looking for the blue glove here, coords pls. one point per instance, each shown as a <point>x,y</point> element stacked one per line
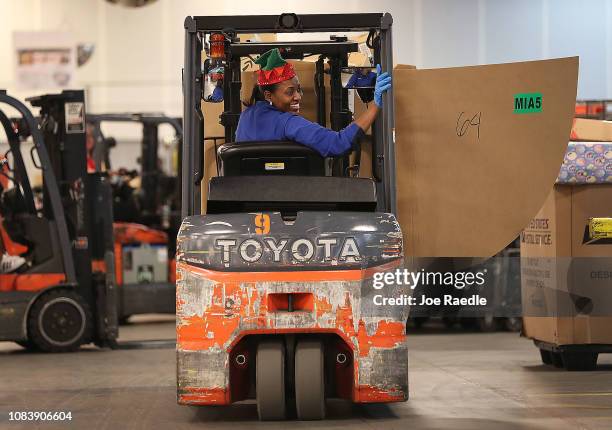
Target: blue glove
<point>383,83</point>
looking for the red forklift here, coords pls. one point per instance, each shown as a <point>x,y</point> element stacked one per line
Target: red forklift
<point>275,280</point>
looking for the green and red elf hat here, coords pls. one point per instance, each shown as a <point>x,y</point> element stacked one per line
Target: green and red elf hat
<point>273,68</point>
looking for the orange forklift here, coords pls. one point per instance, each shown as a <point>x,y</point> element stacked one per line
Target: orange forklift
<point>82,274</point>
<point>275,281</point>
<point>59,300</point>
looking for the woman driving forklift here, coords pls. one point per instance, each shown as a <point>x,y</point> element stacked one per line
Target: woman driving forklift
<point>272,112</point>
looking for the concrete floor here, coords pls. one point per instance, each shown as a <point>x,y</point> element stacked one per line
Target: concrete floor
<point>458,381</point>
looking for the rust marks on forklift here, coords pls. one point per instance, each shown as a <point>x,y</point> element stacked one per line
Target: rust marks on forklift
<point>369,394</point>
<point>217,309</point>
<point>387,335</point>
<point>204,396</point>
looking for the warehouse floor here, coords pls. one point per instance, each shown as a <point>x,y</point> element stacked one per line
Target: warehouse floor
<point>458,381</point>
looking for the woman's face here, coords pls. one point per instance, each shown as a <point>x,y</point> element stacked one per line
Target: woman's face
<point>286,96</point>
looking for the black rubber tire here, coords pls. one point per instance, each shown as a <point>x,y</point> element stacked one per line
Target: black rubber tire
<point>59,321</point>
<point>310,380</point>
<point>270,380</point>
<point>546,357</point>
<point>557,361</point>
<point>579,361</point>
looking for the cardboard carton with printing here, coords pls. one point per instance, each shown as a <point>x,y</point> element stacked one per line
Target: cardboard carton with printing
<point>567,254</point>
<point>566,274</point>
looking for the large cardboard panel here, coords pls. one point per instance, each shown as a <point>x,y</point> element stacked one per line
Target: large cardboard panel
<point>470,172</point>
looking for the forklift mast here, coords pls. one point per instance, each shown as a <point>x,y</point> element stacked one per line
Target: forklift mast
<point>148,153</point>
<point>335,50</point>
<point>63,128</point>
<point>86,201</point>
<point>156,189</point>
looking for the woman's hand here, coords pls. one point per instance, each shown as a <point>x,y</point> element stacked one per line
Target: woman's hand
<point>383,83</point>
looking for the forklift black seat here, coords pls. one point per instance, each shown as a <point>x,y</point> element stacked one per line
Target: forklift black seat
<point>269,158</point>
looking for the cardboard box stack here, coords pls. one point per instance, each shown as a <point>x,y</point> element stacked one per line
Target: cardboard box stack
<point>566,271</point>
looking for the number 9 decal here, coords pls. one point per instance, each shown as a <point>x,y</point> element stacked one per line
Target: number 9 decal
<point>262,224</point>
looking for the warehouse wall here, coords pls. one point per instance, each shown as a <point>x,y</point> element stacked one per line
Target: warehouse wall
<point>139,52</point>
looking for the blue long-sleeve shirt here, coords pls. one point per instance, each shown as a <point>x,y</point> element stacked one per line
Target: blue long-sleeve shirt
<point>263,122</point>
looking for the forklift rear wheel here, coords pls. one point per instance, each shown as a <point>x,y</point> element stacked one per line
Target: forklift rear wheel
<point>270,380</point>
<point>59,321</point>
<point>309,380</point>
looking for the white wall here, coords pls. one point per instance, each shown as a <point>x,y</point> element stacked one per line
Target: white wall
<point>139,52</point>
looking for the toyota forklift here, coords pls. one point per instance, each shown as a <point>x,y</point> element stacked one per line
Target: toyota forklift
<point>84,273</point>
<point>275,279</point>
<point>60,299</point>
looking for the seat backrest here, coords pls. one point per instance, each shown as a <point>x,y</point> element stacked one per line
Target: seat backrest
<point>269,158</point>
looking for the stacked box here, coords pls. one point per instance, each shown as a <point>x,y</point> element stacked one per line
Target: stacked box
<point>566,274</point>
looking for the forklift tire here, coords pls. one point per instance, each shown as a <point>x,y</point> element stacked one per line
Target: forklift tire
<point>270,380</point>
<point>309,380</point>
<point>59,321</point>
